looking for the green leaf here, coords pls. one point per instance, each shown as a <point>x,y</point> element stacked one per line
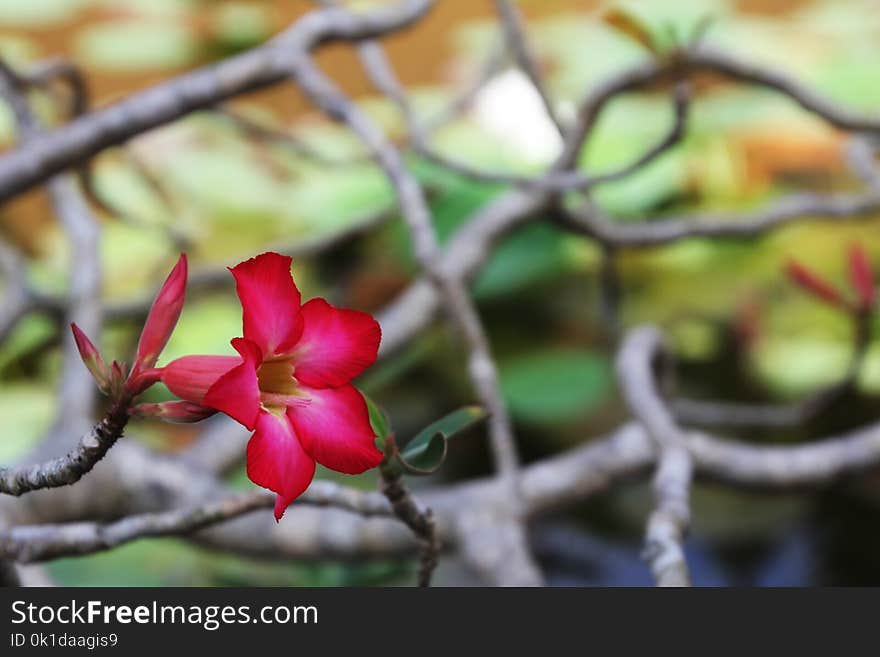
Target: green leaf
<point>426,452</point>
<point>533,255</point>
<point>555,386</point>
<point>379,423</point>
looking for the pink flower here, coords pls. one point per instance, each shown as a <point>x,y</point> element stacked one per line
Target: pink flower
<point>290,383</point>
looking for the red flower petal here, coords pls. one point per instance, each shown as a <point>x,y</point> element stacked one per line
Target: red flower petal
<point>191,377</point>
<point>277,461</point>
<point>814,284</point>
<point>162,318</point>
<point>270,301</point>
<point>237,393</point>
<point>861,276</point>
<point>336,344</point>
<point>334,427</point>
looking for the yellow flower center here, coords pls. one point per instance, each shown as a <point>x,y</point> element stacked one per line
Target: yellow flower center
<point>278,387</point>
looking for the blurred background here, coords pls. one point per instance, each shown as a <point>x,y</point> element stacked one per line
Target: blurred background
<point>740,329</point>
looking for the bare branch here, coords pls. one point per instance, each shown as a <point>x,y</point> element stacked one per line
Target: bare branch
<point>464,316</point>
<point>32,163</point>
<point>668,523</point>
<point>31,543</point>
<point>514,38</point>
<point>861,155</point>
<point>588,221</point>
<point>76,392</point>
<point>68,469</point>
<point>409,511</point>
<point>721,413</point>
<point>17,298</point>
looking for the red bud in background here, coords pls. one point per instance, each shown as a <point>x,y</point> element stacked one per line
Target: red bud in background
<point>862,277</point>
<point>161,321</point>
<point>92,359</point>
<point>814,284</point>
<point>174,411</point>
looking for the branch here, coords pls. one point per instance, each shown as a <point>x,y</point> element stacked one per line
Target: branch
<point>721,413</point>
<point>668,523</point>
<point>133,480</point>
<point>514,38</point>
<point>76,392</point>
<point>17,298</point>
<point>861,156</point>
<point>25,544</point>
<point>713,61</point>
<point>419,520</point>
<point>464,316</point>
<point>588,221</point>
<point>68,469</point>
<point>32,163</point>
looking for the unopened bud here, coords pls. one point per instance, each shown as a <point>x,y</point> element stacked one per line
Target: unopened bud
<point>814,284</point>
<point>174,411</point>
<point>92,359</point>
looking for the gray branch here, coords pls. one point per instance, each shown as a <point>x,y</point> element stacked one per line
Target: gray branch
<point>639,354</point>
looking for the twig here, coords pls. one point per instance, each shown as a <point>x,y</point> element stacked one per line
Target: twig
<point>17,298</point>
<point>419,520</point>
<point>259,132</point>
<point>481,366</point>
<point>30,543</point>
<point>133,480</point>
<point>514,38</point>
<point>861,156</point>
<point>721,413</point>
<point>33,163</point>
<point>76,392</point>
<point>68,469</point>
<point>669,522</point>
<point>748,225</point>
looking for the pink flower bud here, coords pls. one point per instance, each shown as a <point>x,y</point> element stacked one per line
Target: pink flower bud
<point>814,284</point>
<point>174,411</point>
<point>92,359</point>
<point>162,318</point>
<point>862,277</point>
